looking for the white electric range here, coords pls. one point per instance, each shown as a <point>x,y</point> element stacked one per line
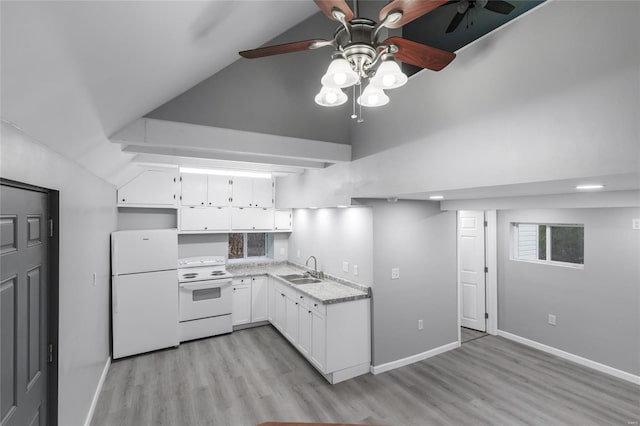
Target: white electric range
<point>205,297</point>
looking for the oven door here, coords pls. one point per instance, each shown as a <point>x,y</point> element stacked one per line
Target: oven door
<point>203,299</point>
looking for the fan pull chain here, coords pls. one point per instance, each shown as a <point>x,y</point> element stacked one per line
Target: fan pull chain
<point>353,114</point>
<point>360,120</point>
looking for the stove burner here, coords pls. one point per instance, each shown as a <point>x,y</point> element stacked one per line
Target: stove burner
<point>190,275</point>
<point>214,273</point>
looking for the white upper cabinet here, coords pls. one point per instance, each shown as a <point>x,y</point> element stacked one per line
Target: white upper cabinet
<point>282,220</point>
<point>193,189</point>
<point>151,188</point>
<point>205,190</point>
<point>249,219</point>
<point>218,191</point>
<point>204,219</point>
<point>263,193</point>
<point>252,192</point>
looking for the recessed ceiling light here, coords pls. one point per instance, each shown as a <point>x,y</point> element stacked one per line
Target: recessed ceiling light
<point>591,186</point>
<point>342,207</point>
<point>436,197</point>
<point>313,208</point>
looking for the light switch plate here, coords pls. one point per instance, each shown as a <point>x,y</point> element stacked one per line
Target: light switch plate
<point>552,319</point>
<point>395,273</point>
<point>355,270</point>
<point>345,266</point>
<point>635,223</point>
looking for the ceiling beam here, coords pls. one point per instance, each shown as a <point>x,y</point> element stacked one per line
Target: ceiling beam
<point>155,134</point>
<point>221,156</point>
<point>214,164</point>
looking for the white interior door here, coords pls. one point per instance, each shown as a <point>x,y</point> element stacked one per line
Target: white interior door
<point>471,269</point>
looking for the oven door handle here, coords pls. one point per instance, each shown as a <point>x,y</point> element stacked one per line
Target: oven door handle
<point>206,284</point>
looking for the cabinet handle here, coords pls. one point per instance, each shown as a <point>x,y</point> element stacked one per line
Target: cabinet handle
<point>282,294</point>
<point>315,305</point>
<point>296,303</point>
<point>234,289</point>
<point>301,297</point>
<point>309,312</point>
<point>206,227</point>
<point>123,200</point>
<point>202,203</point>
<point>209,203</point>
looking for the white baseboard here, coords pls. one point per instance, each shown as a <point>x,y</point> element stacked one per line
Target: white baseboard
<point>571,357</point>
<point>377,369</point>
<point>94,402</point>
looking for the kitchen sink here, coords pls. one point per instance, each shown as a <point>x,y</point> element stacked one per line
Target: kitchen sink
<point>304,280</point>
<point>300,279</point>
<point>294,276</point>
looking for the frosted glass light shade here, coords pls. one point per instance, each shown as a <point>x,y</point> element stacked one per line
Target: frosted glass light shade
<point>373,96</point>
<point>389,76</point>
<point>330,96</point>
<point>339,74</point>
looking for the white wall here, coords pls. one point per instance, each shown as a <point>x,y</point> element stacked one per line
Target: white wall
<point>334,236</point>
<point>87,217</point>
<point>597,308</point>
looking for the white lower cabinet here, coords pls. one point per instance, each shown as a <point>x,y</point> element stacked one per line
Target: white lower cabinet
<point>335,338</point>
<point>259,298</point>
<point>250,299</point>
<point>241,310</point>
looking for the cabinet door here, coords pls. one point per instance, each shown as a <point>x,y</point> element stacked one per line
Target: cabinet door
<point>259,298</point>
<point>151,188</point>
<point>218,191</point>
<point>218,219</point>
<point>193,218</point>
<point>291,320</point>
<point>263,193</point>
<point>193,189</point>
<point>271,303</point>
<point>280,313</point>
<point>262,219</point>
<point>241,312</point>
<point>282,220</point>
<point>242,219</point>
<point>318,341</point>
<point>242,189</point>
<point>304,330</point>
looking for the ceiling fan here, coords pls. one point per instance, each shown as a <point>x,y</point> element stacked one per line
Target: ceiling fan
<point>465,7</point>
<point>359,54</point>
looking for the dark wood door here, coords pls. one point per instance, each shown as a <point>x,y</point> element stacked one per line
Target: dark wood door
<point>24,304</point>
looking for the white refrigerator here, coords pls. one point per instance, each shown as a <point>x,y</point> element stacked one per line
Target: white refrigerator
<point>144,290</point>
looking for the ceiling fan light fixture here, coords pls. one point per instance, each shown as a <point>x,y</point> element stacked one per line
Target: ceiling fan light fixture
<point>373,96</point>
<point>389,75</point>
<point>339,74</point>
<point>330,96</point>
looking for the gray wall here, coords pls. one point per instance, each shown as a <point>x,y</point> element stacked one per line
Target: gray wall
<point>87,217</point>
<point>597,308</point>
<point>140,218</point>
<point>334,236</point>
<point>418,238</point>
<point>273,95</point>
<point>190,245</point>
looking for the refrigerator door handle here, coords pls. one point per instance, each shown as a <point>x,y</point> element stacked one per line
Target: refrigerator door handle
<point>114,257</point>
<point>116,300</point>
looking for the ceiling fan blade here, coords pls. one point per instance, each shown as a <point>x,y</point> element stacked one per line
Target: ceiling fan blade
<point>455,22</point>
<point>420,55</point>
<point>327,6</point>
<point>279,49</point>
<point>499,6</point>
<point>411,9</point>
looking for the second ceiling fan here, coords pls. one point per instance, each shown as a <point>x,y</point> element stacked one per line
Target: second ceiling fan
<point>360,55</point>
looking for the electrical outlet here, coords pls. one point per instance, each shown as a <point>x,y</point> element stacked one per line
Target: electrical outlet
<point>552,319</point>
<point>355,270</point>
<point>345,266</point>
<point>395,273</point>
<point>420,325</point>
<point>635,223</point>
<point>298,254</point>
<point>95,279</point>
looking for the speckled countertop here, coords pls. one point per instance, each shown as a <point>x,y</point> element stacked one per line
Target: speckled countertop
<point>330,290</point>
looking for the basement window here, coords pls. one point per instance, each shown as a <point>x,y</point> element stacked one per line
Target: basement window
<point>557,244</point>
<point>248,245</point>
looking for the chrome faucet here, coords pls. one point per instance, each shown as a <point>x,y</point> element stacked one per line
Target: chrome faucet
<point>315,266</point>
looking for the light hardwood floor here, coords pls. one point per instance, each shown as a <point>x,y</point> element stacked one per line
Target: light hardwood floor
<point>254,375</point>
